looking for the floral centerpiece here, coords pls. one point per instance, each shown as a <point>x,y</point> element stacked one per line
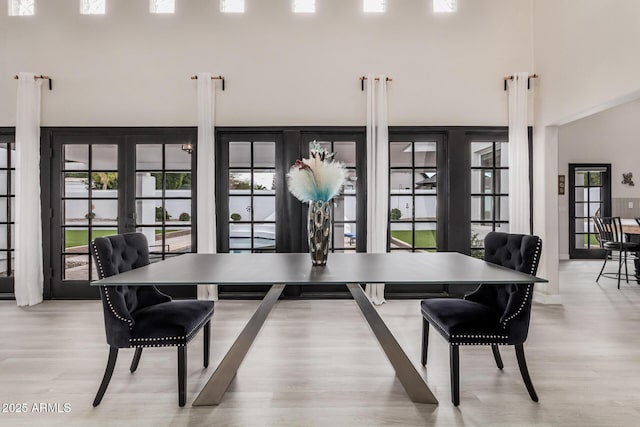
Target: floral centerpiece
<point>316,181</point>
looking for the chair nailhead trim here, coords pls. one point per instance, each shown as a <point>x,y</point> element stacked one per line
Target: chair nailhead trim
<point>534,267</point>
<point>100,269</point>
<point>184,337</point>
<point>106,291</point>
<point>478,343</point>
<point>480,336</point>
<point>113,310</point>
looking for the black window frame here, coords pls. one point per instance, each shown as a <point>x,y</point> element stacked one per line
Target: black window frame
<point>7,136</point>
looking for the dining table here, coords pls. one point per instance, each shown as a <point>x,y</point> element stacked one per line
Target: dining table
<point>349,269</point>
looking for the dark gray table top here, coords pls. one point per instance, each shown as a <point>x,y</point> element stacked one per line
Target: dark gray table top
<point>296,269</point>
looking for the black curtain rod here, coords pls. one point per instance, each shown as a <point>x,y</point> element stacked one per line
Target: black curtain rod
<point>43,77</point>
<point>212,78</point>
<point>531,76</point>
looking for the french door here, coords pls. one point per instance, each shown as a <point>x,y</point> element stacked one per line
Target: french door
<point>105,182</point>
<point>256,212</point>
<point>589,196</point>
<point>7,211</point>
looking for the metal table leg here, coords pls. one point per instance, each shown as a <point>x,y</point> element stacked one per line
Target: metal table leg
<point>411,379</point>
<point>217,385</point>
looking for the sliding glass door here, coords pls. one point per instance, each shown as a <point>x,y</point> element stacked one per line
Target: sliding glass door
<point>7,210</point>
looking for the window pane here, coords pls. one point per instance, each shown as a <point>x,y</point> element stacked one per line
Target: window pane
<point>232,6</point>
<point>401,208</point>
<point>148,184</point>
<point>400,180</point>
<point>21,7</point>
<point>76,184</point>
<point>177,158</point>
<point>502,208</point>
<point>345,152</point>
<point>105,157</point>
<point>350,186</point>
<point>481,154</point>
<point>481,208</point>
<point>76,267</point>
<point>264,154</point>
<point>503,181</point>
<point>401,235</point>
<point>400,154</point>
<point>264,208</point>
<point>425,235</point>
<point>176,239</point>
<point>445,6</point>
<point>162,6</point>
<point>149,157</point>
<point>426,179</point>
<point>264,182</point>
<point>77,212</point>
<point>239,154</point>
<point>240,182</point>
<point>240,208</point>
<point>425,153</point>
<point>92,7</point>
<point>178,184</point>
<point>150,212</point>
<point>304,6</point>
<point>4,262</point>
<point>482,181</point>
<point>76,157</point>
<point>502,154</point>
<point>425,207</point>
<point>375,6</point>
<point>348,233</point>
<point>344,208</point>
<point>105,211</point>
<point>104,184</point>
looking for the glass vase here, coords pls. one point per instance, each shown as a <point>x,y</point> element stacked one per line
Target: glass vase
<point>319,231</point>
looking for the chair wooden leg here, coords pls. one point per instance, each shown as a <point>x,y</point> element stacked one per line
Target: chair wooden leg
<point>182,375</point>
<point>136,359</point>
<point>111,363</point>
<point>522,363</point>
<point>496,355</point>
<point>425,340</point>
<point>455,374</point>
<point>207,340</point>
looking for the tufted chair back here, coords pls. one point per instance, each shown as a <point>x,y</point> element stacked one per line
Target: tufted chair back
<point>118,254</point>
<point>519,252</point>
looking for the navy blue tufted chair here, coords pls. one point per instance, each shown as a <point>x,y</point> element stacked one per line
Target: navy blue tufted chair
<point>142,316</point>
<point>491,315</point>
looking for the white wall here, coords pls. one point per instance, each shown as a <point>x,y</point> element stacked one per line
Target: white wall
<point>585,53</point>
<point>132,68</point>
<point>611,136</point>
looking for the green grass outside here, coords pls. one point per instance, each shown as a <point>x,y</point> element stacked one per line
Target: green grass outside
<point>75,238</point>
<point>424,238</point>
<point>592,239</point>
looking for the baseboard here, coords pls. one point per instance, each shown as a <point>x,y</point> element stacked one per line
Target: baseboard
<point>547,299</point>
<point>564,257</point>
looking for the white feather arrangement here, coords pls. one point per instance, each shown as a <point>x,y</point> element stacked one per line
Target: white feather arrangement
<point>317,178</point>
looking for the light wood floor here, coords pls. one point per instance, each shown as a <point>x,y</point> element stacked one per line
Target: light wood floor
<point>316,363</point>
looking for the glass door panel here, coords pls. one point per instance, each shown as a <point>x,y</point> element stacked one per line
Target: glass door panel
<point>589,196</point>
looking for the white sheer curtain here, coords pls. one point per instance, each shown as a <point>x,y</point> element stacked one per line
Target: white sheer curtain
<point>28,271</point>
<point>519,200</point>
<point>206,176</point>
<point>377,174</point>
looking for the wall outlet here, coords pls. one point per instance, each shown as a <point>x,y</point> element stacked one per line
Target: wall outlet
<point>630,205</point>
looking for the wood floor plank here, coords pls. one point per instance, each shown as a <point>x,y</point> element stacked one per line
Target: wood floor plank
<point>316,363</point>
